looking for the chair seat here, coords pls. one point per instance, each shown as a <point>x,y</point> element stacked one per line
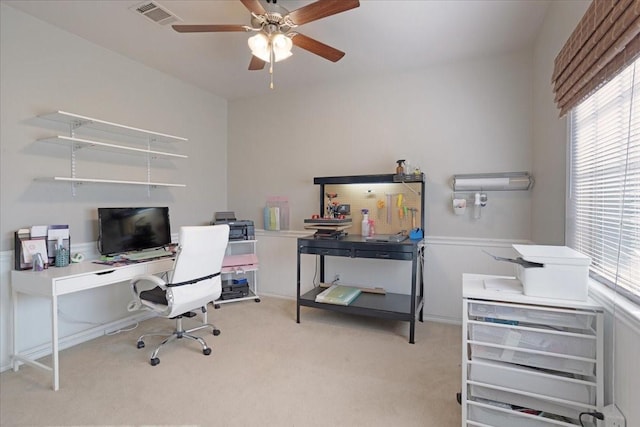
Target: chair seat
<point>156,295</point>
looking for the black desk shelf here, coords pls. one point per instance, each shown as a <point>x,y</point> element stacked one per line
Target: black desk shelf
<point>388,306</point>
<point>404,307</point>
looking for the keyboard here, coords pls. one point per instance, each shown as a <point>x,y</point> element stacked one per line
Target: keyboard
<point>144,255</point>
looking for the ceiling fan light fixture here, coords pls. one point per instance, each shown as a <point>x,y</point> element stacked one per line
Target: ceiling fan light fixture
<point>261,45</point>
<point>281,45</point>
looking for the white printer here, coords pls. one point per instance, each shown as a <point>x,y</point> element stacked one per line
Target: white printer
<point>553,272</point>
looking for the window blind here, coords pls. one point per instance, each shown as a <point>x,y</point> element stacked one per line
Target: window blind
<point>606,40</point>
<point>603,209</point>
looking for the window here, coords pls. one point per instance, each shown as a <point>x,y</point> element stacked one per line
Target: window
<point>603,206</point>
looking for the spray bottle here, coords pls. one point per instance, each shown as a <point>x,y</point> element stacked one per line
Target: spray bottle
<point>365,222</point>
<point>476,206</point>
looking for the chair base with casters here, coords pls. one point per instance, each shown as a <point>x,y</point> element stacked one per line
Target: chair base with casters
<point>179,333</point>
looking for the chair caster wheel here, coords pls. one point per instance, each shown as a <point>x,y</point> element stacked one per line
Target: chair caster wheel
<point>206,351</point>
<point>257,300</point>
<point>216,306</point>
<point>154,361</point>
<point>216,332</point>
<point>140,344</point>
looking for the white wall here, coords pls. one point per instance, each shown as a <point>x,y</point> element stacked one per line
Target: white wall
<point>549,131</point>
<point>44,69</point>
<point>622,332</point>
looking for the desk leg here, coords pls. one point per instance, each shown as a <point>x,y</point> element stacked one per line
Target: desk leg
<point>54,342</point>
<point>412,331</point>
<point>412,311</point>
<point>14,299</point>
<point>298,291</point>
<point>421,282</point>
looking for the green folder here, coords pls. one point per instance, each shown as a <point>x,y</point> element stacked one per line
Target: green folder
<point>338,294</point>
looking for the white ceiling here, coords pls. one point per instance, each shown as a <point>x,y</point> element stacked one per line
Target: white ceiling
<point>380,37</point>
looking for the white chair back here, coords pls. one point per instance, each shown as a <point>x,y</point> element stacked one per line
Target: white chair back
<point>200,253</point>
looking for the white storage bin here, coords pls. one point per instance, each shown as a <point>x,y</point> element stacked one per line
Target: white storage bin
<point>564,275</point>
<point>553,385</point>
<point>571,344</point>
<point>505,418</point>
<point>580,367</point>
<point>575,320</point>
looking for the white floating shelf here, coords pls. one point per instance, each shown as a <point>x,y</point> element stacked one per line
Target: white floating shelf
<point>65,140</point>
<point>113,181</point>
<point>102,125</point>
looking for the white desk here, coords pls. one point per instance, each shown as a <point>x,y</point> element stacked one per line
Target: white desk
<point>58,281</point>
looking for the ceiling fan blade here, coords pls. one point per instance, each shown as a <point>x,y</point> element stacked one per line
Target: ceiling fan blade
<point>208,28</point>
<point>314,46</point>
<point>321,9</point>
<point>254,6</point>
<point>256,63</point>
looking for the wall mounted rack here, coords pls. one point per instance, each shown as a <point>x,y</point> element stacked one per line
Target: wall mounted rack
<point>78,122</point>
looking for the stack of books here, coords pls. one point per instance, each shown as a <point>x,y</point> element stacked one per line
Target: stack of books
<point>338,294</point>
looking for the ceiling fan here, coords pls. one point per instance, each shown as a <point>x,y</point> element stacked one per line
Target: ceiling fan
<point>276,30</point>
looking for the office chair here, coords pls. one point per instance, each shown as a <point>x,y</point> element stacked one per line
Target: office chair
<point>191,285</point>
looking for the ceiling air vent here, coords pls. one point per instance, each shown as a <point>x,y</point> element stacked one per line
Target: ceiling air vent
<point>156,13</point>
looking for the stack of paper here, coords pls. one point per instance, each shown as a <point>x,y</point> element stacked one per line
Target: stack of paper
<point>338,294</point>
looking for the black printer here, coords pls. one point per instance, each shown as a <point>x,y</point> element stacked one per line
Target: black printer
<point>238,229</point>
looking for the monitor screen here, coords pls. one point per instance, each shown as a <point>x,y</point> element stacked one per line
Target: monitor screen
<point>132,229</point>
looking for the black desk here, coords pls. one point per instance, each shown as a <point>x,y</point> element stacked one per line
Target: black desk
<point>389,306</point>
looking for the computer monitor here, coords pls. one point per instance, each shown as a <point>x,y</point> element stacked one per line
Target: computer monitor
<point>132,229</point>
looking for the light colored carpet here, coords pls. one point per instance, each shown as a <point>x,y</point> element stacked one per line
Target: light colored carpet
<point>265,370</point>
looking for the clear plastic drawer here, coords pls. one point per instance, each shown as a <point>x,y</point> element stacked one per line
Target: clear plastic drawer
<point>551,342</point>
<point>580,367</point>
<point>501,417</point>
<point>577,320</point>
<point>547,406</point>
<point>551,384</point>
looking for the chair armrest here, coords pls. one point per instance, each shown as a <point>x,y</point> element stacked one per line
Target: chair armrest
<point>154,280</point>
<point>141,279</point>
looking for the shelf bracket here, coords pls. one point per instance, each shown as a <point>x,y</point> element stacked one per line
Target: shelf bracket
<point>74,148</point>
<point>149,141</point>
<point>417,193</point>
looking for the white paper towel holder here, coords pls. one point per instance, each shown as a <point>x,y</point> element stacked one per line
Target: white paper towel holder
<point>502,181</point>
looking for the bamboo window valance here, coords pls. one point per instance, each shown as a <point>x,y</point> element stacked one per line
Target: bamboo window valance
<point>606,40</point>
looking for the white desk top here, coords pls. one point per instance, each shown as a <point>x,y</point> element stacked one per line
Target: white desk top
<point>78,269</point>
<point>82,276</point>
<point>473,288</point>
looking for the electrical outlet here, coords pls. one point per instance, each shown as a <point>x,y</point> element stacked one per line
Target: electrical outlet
<point>336,278</point>
<point>613,417</point>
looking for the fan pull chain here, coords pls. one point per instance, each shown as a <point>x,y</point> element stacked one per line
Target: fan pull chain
<point>271,65</point>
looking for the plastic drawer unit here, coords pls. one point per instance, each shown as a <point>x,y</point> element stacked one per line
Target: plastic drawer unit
<point>529,361</point>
